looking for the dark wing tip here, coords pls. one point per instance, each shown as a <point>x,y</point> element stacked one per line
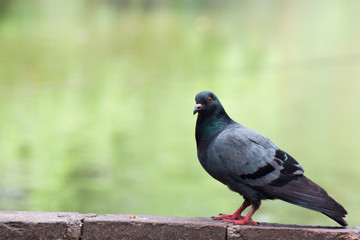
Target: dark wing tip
<point>339,219</point>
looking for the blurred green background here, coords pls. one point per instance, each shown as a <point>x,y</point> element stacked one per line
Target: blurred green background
<point>96,101</point>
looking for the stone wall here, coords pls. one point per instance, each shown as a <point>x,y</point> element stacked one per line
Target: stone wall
<point>68,225</point>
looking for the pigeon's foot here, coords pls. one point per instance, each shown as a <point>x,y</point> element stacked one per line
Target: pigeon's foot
<point>237,219</point>
<point>236,215</point>
<point>241,221</point>
<point>228,217</point>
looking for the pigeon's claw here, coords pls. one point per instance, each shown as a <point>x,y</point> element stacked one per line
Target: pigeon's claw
<point>247,218</point>
<point>228,216</point>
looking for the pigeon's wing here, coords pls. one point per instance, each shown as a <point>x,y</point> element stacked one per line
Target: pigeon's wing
<point>254,160</point>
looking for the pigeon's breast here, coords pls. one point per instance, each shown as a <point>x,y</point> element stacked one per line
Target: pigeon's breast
<point>213,165</point>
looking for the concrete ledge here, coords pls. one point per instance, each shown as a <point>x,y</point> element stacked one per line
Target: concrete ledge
<point>152,227</point>
<point>60,225</point>
<point>40,225</point>
<point>273,231</point>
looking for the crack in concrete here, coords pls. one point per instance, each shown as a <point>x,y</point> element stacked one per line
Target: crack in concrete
<point>74,225</point>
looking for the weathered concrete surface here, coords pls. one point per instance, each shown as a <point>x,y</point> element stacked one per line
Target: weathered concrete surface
<point>61,225</point>
<point>152,227</point>
<point>39,225</point>
<point>275,231</point>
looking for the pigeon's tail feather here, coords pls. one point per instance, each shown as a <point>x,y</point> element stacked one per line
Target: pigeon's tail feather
<point>305,193</point>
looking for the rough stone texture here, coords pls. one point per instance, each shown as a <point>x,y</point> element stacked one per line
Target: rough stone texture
<point>152,227</point>
<point>272,231</point>
<point>74,224</point>
<point>61,225</point>
<point>39,225</point>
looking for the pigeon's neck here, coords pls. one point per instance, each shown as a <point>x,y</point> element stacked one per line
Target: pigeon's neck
<point>209,126</point>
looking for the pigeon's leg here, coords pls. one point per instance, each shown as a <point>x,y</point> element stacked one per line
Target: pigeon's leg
<point>247,219</point>
<point>237,214</point>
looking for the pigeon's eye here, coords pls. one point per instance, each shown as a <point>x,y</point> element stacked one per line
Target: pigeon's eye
<point>210,100</point>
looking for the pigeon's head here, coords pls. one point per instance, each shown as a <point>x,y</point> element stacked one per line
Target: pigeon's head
<point>207,103</point>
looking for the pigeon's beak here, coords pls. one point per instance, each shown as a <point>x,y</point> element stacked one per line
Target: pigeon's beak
<point>198,107</point>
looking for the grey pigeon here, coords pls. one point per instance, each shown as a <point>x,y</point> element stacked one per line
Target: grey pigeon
<point>253,166</point>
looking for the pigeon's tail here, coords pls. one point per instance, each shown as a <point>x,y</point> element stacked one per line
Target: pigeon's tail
<point>305,193</point>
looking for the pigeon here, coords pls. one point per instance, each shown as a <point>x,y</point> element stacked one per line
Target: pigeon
<point>253,166</point>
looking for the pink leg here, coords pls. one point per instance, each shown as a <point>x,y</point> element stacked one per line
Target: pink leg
<point>247,218</point>
<point>236,215</point>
